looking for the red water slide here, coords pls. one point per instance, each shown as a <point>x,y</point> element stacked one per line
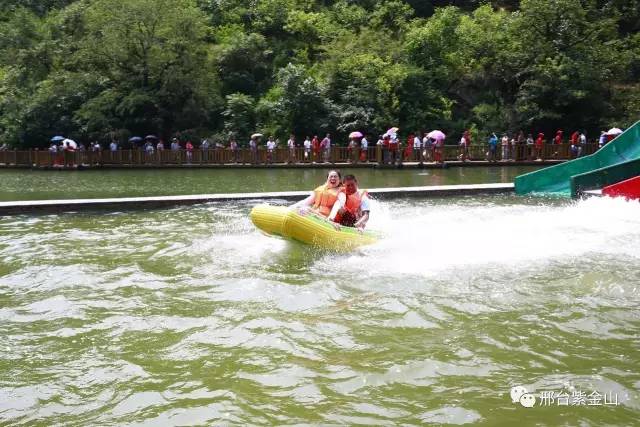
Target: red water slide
<point>629,189</point>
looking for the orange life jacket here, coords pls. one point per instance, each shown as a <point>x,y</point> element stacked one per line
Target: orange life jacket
<point>352,203</point>
<point>325,198</point>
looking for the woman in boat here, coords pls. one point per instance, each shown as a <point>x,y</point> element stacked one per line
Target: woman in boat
<point>322,199</point>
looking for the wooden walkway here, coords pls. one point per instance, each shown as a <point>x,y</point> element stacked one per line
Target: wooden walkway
<point>280,158</point>
<point>79,205</point>
<point>342,165</point>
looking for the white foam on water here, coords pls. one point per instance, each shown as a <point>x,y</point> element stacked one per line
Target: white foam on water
<point>429,238</point>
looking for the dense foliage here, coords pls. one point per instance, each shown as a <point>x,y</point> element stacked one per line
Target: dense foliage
<point>103,69</point>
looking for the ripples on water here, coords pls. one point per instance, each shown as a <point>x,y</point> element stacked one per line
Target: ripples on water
<point>189,315</point>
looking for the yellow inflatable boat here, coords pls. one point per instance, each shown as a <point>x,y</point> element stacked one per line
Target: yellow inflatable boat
<point>309,229</point>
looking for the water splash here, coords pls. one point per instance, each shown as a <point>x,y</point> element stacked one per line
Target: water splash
<point>434,237</point>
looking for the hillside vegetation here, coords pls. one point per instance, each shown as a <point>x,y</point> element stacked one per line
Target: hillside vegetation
<point>103,69</point>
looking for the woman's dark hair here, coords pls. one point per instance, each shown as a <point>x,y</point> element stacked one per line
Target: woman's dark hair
<point>350,178</point>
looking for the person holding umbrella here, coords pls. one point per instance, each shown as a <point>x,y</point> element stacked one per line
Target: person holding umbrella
<point>150,141</point>
<point>53,149</point>
<point>253,147</point>
<point>148,150</point>
<point>394,145</point>
<point>134,140</point>
<point>69,146</point>
<point>438,136</point>
<point>53,152</point>
<point>391,144</point>
<point>354,138</point>
<point>350,149</point>
<point>613,134</point>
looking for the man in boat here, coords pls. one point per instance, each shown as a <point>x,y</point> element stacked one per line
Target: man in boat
<point>351,208</point>
<point>322,199</point>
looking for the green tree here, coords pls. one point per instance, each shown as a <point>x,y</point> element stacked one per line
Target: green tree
<point>571,56</point>
<point>243,62</point>
<point>153,61</point>
<point>239,116</point>
<point>297,103</point>
<point>88,68</point>
<point>37,94</point>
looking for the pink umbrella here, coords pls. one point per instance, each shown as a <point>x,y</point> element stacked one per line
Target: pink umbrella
<point>438,135</point>
<point>355,134</point>
<point>392,131</point>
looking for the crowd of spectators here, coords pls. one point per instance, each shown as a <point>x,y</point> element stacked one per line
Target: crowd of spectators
<point>417,147</point>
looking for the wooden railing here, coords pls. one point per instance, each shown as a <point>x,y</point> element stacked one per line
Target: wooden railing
<point>261,156</point>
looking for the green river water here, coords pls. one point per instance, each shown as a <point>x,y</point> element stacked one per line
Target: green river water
<point>189,316</point>
<point>34,185</point>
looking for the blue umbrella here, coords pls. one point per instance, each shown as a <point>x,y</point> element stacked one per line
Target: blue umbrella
<point>57,138</point>
<point>135,139</point>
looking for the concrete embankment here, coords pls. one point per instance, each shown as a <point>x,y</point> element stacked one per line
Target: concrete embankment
<point>123,203</point>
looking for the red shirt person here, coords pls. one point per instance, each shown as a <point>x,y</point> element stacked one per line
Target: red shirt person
<point>409,148</point>
<point>393,144</point>
<point>467,138</point>
<point>558,139</point>
<point>574,138</point>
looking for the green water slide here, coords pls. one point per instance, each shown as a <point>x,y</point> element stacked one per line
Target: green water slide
<point>618,160</point>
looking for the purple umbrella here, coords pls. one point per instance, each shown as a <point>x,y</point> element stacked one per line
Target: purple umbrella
<point>438,135</point>
<point>355,134</point>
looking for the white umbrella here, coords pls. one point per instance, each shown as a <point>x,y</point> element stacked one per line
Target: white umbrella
<point>614,131</point>
<point>69,143</point>
<point>256,135</point>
